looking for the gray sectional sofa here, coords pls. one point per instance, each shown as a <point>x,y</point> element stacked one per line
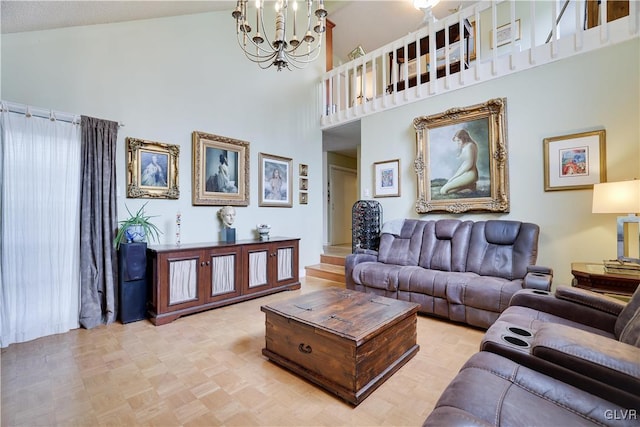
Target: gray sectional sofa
<point>464,271</point>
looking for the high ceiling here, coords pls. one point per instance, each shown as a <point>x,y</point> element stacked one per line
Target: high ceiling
<point>371,24</point>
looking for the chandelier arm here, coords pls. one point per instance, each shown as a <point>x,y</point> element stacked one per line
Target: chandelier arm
<point>244,46</point>
<point>256,57</point>
<point>315,52</point>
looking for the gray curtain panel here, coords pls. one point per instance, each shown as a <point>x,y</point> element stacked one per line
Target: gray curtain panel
<point>98,223</point>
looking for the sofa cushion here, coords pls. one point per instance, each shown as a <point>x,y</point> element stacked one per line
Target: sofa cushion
<point>485,292</point>
<point>627,328</point>
<point>377,275</point>
<point>445,244</point>
<point>402,249</point>
<point>502,248</point>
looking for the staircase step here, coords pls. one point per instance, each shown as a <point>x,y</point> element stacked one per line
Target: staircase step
<point>326,271</point>
<point>332,259</point>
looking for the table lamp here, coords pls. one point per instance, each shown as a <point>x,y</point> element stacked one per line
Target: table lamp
<point>621,197</point>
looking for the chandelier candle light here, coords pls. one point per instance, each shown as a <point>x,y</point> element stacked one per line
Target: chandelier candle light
<point>261,50</point>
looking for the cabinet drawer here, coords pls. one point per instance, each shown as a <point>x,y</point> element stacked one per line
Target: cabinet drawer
<point>321,353</point>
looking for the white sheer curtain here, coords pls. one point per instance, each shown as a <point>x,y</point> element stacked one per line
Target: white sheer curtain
<point>39,227</point>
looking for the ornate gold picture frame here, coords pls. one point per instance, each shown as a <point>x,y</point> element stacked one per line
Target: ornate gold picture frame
<point>461,159</point>
<point>152,169</point>
<point>220,170</point>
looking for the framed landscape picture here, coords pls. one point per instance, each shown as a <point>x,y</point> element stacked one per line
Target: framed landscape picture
<point>574,162</point>
<point>152,169</point>
<point>461,159</point>
<point>275,184</point>
<point>220,170</point>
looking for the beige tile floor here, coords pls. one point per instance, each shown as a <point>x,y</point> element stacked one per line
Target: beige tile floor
<point>207,369</point>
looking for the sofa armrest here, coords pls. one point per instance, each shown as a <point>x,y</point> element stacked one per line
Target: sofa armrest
<point>351,260</point>
<point>547,302</point>
<point>590,299</point>
<point>595,357</point>
<point>538,277</point>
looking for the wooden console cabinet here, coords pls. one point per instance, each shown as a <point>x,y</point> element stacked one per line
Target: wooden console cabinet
<point>190,278</point>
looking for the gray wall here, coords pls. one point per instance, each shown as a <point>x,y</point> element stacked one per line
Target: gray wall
<point>165,78</point>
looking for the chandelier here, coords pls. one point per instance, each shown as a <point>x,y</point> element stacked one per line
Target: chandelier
<point>283,50</point>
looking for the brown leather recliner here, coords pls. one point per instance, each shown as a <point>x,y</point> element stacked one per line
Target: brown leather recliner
<point>491,390</point>
<point>579,337</point>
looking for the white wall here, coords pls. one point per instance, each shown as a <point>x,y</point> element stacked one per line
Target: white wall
<point>165,78</point>
<point>595,90</point>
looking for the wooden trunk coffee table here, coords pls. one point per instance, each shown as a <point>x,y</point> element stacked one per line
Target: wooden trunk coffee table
<point>345,341</point>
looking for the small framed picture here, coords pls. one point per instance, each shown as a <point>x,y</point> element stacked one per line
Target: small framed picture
<point>304,184</point>
<point>574,162</point>
<point>304,198</point>
<point>275,184</point>
<point>304,170</point>
<point>152,169</point>
<point>505,33</point>
<point>387,178</point>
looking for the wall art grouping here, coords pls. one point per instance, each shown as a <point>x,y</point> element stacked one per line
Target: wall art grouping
<point>303,171</point>
<point>152,169</point>
<point>220,172</point>
<point>461,159</point>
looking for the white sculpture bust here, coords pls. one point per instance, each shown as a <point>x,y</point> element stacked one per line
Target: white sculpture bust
<point>227,214</point>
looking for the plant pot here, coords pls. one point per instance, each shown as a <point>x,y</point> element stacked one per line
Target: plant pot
<point>135,234</point>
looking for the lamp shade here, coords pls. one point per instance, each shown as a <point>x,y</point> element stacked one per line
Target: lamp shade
<point>621,197</point>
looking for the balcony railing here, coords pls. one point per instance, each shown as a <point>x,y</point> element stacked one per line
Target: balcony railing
<point>485,41</point>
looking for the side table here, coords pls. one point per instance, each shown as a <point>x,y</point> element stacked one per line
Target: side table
<point>592,276</point>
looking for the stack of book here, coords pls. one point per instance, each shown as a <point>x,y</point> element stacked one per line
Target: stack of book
<point>621,267</point>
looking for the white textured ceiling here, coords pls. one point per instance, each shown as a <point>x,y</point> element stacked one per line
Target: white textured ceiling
<point>371,24</point>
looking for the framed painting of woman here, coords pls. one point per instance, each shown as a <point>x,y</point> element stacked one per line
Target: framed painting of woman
<point>275,185</point>
<point>461,159</point>
<point>220,170</point>
<point>152,169</point>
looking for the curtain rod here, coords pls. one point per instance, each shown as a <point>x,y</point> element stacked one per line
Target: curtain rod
<point>41,112</point>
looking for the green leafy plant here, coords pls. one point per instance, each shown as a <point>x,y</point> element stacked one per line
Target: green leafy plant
<point>138,219</point>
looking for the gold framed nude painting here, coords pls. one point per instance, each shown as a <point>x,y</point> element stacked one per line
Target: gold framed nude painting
<point>461,159</point>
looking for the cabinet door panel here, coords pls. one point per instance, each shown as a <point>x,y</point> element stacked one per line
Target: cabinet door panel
<point>258,268</point>
<point>183,281</point>
<point>223,274</point>
<point>285,263</point>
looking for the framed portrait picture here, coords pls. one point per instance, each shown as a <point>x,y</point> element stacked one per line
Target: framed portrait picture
<point>304,198</point>
<point>303,169</point>
<point>220,170</point>
<point>461,159</point>
<point>574,162</point>
<point>275,184</point>
<point>386,177</point>
<point>152,169</point>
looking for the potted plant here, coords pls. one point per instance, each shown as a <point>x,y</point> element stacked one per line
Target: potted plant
<point>136,228</point>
